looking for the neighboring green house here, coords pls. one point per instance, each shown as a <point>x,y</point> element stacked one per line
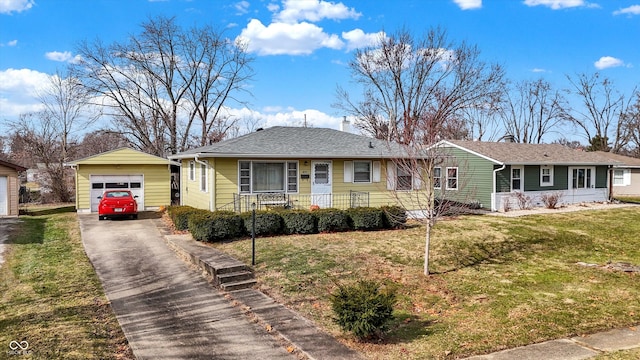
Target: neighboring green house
<point>294,167</point>
<point>493,173</point>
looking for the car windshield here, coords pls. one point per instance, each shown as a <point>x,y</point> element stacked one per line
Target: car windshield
<point>117,194</point>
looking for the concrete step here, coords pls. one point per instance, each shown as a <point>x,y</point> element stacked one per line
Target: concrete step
<point>234,277</point>
<point>238,285</point>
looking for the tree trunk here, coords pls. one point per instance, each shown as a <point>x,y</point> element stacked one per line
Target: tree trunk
<point>427,241</point>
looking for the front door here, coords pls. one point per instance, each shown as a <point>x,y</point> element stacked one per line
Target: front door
<point>321,183</point>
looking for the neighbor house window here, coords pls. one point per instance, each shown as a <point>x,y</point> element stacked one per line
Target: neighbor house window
<point>268,176</point>
<point>192,170</point>
<point>452,178</point>
<point>546,175</point>
<point>437,178</point>
<point>516,178</point>
<point>618,177</point>
<point>362,171</point>
<point>404,180</point>
<point>204,176</point>
<point>582,178</point>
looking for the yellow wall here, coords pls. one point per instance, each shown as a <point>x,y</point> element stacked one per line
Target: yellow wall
<point>190,189</point>
<point>13,189</point>
<point>157,182</point>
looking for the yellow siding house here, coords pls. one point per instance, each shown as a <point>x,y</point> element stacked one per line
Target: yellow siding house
<point>147,176</point>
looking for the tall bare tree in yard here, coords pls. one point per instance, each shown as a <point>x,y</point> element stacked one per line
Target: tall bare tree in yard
<point>632,127</point>
<point>602,114</point>
<point>532,109</point>
<point>415,91</point>
<point>411,83</point>
<point>156,84</point>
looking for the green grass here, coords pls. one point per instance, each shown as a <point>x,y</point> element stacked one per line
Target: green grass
<point>51,297</point>
<point>498,282</point>
<point>629,199</point>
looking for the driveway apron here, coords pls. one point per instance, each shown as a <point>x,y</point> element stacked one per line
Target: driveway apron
<point>166,309</point>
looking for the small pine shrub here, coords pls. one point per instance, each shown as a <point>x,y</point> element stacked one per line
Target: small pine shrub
<point>363,309</point>
<point>299,222</point>
<point>394,216</point>
<point>267,223</point>
<point>366,218</point>
<point>332,220</point>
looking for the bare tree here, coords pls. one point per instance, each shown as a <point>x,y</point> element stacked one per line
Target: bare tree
<point>602,116</point>
<point>159,81</point>
<point>100,141</point>
<point>631,120</point>
<point>533,109</point>
<point>407,81</point>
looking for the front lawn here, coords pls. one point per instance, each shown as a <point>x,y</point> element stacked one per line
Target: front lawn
<point>498,282</point>
<point>51,300</point>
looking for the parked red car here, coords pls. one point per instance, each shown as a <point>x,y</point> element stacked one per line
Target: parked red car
<point>117,203</point>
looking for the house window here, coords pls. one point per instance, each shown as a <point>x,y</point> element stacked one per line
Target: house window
<point>546,175</point>
<point>204,176</point>
<point>437,178</point>
<point>618,177</point>
<point>192,170</point>
<point>404,180</point>
<point>452,178</point>
<point>268,176</point>
<point>516,178</point>
<point>362,171</point>
<point>582,178</point>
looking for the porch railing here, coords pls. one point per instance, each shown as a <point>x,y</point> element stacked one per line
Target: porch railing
<point>264,201</point>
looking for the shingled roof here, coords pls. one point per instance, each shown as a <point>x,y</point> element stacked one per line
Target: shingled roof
<point>625,161</point>
<point>530,154</point>
<point>299,142</point>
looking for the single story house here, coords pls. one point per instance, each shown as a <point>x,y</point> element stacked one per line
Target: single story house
<point>625,176</point>
<point>494,174</point>
<point>9,188</point>
<point>147,176</point>
<point>295,167</point>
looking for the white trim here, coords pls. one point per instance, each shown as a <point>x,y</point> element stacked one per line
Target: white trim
<point>437,177</point>
<point>192,171</point>
<point>348,171</point>
<point>391,175</point>
<point>375,175</point>
<point>204,176</point>
<point>521,178</point>
<point>270,161</point>
<point>370,163</point>
<point>551,170</point>
<point>457,177</point>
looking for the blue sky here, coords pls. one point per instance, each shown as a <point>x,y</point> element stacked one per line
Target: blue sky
<point>302,46</point>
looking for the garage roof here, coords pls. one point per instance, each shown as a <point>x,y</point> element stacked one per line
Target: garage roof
<point>123,156</point>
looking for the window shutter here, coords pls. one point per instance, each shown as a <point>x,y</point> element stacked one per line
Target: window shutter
<point>376,171</point>
<point>348,171</point>
<point>391,175</point>
<point>417,178</point>
<point>626,177</point>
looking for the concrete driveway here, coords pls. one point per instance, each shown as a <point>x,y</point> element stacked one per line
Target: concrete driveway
<point>166,309</point>
<point>6,225</point>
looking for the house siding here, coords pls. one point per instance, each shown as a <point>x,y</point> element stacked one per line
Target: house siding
<point>12,190</point>
<point>191,194</point>
<point>633,189</point>
<point>475,177</point>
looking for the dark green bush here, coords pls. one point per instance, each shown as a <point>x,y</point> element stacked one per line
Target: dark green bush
<point>299,222</point>
<point>394,216</point>
<point>180,215</point>
<point>267,223</point>
<point>363,309</point>
<point>201,225</point>
<point>366,218</point>
<point>215,226</point>
<point>332,220</point>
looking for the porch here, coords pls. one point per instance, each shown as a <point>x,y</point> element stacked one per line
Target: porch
<point>264,201</point>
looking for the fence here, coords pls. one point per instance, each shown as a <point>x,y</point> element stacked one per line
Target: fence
<point>264,201</point>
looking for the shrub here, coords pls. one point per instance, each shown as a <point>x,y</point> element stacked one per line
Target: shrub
<point>299,222</point>
<point>551,200</point>
<point>214,226</point>
<point>363,309</point>
<point>180,215</point>
<point>332,220</point>
<point>201,225</point>
<point>524,201</point>
<point>394,216</point>
<point>365,218</point>
<point>267,223</point>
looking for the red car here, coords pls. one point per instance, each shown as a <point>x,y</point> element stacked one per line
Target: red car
<point>117,203</point>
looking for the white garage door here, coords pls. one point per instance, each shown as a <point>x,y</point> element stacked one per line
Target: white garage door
<point>101,183</point>
<point>4,197</point>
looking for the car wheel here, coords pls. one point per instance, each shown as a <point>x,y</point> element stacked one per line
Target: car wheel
<point>135,216</point>
<point>100,218</point>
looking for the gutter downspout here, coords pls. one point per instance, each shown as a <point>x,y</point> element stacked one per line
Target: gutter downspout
<point>208,185</point>
<point>493,190</point>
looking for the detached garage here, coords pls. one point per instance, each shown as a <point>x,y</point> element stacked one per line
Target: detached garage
<point>9,188</point>
<point>147,176</point>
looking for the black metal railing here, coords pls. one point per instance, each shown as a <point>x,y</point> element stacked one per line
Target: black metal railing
<point>263,201</point>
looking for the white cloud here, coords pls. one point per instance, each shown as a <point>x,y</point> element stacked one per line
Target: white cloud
<point>606,62</point>
<point>556,4</point>
<point>242,7</point>
<point>631,10</point>
<point>9,6</point>
<point>469,4</point>
<point>278,116</point>
<point>63,57</point>
<point>19,90</point>
<point>539,70</point>
<point>314,11</point>
<point>359,39</point>
<point>291,39</point>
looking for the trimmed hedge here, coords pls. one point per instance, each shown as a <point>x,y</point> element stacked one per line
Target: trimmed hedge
<point>180,215</point>
<point>214,226</point>
<point>365,218</point>
<point>299,222</point>
<point>332,220</point>
<point>267,223</point>
<point>394,216</point>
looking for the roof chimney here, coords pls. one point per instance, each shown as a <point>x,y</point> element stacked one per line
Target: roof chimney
<point>345,125</point>
<point>509,138</point>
